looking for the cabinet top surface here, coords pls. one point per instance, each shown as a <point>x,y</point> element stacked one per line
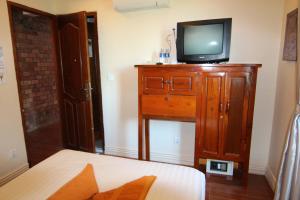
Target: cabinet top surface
<point>200,65</point>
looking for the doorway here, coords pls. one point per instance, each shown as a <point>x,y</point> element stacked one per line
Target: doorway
<point>95,81</point>
<point>81,83</point>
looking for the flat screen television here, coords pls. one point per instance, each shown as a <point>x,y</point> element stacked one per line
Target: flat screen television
<point>205,41</point>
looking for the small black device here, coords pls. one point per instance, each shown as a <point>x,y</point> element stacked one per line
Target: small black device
<point>219,167</point>
<point>204,41</point>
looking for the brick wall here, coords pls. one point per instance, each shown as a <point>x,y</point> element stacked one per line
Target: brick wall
<point>37,66</point>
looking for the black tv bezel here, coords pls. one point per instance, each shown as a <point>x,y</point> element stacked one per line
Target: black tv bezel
<point>204,58</point>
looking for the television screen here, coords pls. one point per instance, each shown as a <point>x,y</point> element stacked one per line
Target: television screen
<point>205,39</point>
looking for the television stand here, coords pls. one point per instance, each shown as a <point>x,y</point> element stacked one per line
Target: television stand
<point>218,98</point>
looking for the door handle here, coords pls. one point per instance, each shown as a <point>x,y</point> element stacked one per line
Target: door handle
<point>87,90</point>
<point>220,107</point>
<point>227,106</point>
<point>221,110</point>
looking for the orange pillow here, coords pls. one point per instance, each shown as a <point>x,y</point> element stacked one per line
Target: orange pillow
<point>81,187</point>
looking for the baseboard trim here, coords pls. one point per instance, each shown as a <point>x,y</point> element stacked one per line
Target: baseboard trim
<point>271,178</point>
<point>257,169</point>
<point>170,158</point>
<point>14,174</point>
<point>155,156</point>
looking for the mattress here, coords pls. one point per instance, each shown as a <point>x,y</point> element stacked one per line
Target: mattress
<point>173,182</point>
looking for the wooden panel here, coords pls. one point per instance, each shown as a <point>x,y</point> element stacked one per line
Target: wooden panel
<point>235,119</point>
<point>211,114</point>
<point>169,106</point>
<point>140,116</point>
<point>83,137</point>
<point>154,82</point>
<point>70,125</point>
<point>70,45</point>
<point>183,83</point>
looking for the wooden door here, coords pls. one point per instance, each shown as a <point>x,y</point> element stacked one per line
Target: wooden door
<point>37,67</point>
<point>154,82</point>
<point>211,114</point>
<point>237,92</point>
<point>183,83</point>
<point>73,40</point>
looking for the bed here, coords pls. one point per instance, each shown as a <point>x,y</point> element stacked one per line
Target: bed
<point>173,182</point>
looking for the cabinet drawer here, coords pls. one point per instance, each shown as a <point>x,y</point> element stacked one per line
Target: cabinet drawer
<point>154,82</point>
<point>159,82</point>
<point>169,106</point>
<point>183,83</point>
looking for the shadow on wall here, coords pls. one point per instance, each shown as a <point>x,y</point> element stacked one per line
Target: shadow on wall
<point>128,105</point>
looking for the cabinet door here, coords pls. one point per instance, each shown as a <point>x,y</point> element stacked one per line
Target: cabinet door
<point>211,114</point>
<point>154,82</point>
<point>237,88</point>
<point>183,83</point>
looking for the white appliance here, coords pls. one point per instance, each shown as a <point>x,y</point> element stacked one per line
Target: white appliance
<point>133,5</point>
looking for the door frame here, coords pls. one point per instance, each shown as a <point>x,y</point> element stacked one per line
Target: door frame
<point>98,68</point>
<point>10,6</point>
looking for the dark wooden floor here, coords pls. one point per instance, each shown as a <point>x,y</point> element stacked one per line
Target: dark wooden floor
<point>218,188</point>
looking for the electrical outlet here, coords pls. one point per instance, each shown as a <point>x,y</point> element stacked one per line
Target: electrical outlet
<point>12,153</point>
<point>110,76</point>
<point>176,140</point>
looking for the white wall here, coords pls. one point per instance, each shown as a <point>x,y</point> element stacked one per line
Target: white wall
<point>131,38</point>
<point>285,103</point>
<point>11,131</point>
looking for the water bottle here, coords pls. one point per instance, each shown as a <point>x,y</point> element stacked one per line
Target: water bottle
<point>162,56</point>
<point>167,56</point>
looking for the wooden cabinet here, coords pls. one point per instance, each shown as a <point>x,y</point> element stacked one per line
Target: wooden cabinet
<point>237,94</point>
<point>219,98</point>
<point>224,111</point>
<point>211,123</point>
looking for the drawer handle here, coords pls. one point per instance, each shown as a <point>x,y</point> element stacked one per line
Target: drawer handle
<point>220,107</point>
<point>166,98</point>
<point>227,106</point>
<point>167,82</point>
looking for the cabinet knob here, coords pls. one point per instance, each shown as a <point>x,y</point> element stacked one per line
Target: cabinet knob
<point>227,106</point>
<point>220,107</point>
<point>167,82</point>
<point>166,98</point>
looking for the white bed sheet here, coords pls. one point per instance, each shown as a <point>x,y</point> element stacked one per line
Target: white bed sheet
<point>173,182</point>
